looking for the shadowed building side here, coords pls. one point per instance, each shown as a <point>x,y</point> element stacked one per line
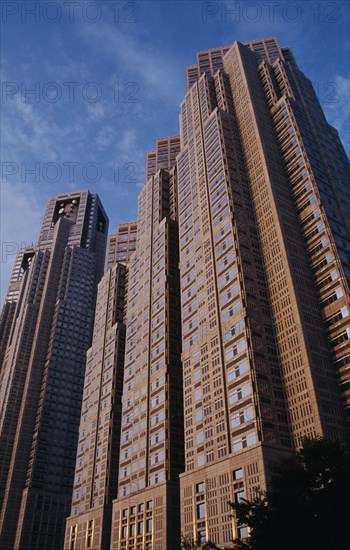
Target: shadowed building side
<point>43,371</point>
<point>97,460</point>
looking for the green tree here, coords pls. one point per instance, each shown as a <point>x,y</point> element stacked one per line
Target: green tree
<point>188,542</point>
<point>307,505</point>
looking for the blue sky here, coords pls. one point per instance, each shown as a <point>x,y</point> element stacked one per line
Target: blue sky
<point>108,79</point>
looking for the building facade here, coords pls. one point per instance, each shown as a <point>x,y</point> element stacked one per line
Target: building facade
<point>97,460</point>
<point>147,511</point>
<point>243,242</point>
<point>50,310</point>
<point>264,269</point>
<point>121,244</point>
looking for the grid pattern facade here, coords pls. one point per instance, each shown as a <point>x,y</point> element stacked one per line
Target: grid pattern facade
<point>122,244</point>
<point>211,61</point>
<point>263,269</point>
<point>146,512</point>
<point>96,470</point>
<point>164,156</point>
<point>54,287</point>
<point>97,461</point>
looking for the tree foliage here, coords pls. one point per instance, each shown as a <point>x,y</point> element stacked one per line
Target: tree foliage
<point>189,543</point>
<point>307,505</point>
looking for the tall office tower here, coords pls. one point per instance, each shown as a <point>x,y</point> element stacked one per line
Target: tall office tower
<point>52,292</point>
<point>147,510</point>
<point>121,244</point>
<point>97,461</point>
<point>264,268</point>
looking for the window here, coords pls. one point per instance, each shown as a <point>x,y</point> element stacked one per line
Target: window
<point>89,533</point>
<point>200,487</point>
<point>222,451</point>
<point>209,456</point>
<point>200,510</point>
<point>149,505</point>
<point>240,369</point>
<point>239,348</point>
<point>238,474</point>
<point>240,393</point>
<point>236,329</point>
<point>231,311</point>
<point>229,294</point>
<point>243,442</point>
<point>73,537</point>
<point>149,525</point>
<point>198,394</point>
<point>242,532</point>
<point>200,460</point>
<point>242,417</point>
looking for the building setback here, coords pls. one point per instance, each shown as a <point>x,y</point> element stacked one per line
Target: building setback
<point>50,310</point>
<point>121,244</point>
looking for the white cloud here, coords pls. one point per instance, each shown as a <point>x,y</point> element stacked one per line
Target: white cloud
<point>157,72</point>
<point>337,107</point>
<point>96,111</point>
<point>21,216</point>
<point>30,129</point>
<point>105,137</point>
<point>127,141</point>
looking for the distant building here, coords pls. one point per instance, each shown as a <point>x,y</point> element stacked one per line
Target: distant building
<point>48,318</point>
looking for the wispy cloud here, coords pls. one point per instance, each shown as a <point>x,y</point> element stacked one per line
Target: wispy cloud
<point>105,137</point>
<point>337,108</point>
<point>96,111</point>
<point>152,67</point>
<point>21,215</point>
<point>113,131</point>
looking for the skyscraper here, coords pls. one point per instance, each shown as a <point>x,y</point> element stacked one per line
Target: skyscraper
<point>147,511</point>
<point>97,461</point>
<point>264,268</point>
<point>48,315</point>
<point>262,210</point>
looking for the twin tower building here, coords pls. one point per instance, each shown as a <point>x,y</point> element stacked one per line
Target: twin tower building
<point>135,404</point>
